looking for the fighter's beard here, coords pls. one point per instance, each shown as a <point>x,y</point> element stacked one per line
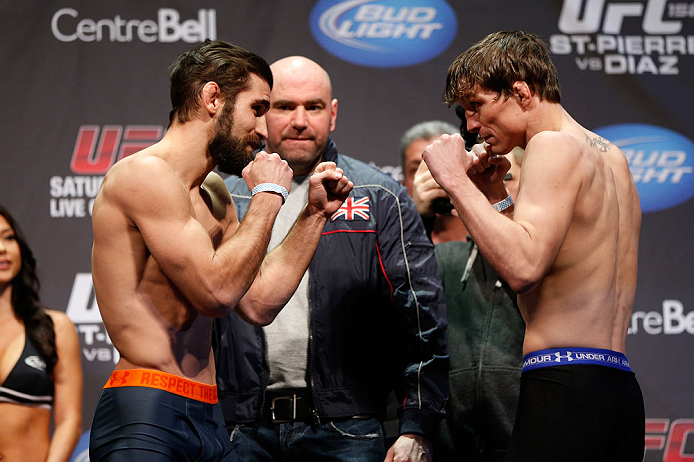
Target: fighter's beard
<point>229,151</point>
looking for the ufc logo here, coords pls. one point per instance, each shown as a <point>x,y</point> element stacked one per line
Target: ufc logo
<point>672,442</point>
<point>94,155</point>
<point>584,17</point>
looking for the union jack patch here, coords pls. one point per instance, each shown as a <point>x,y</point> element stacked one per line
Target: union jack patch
<point>351,208</point>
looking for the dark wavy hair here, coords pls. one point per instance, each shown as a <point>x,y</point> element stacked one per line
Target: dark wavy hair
<point>497,61</point>
<point>25,300</point>
<point>228,65</point>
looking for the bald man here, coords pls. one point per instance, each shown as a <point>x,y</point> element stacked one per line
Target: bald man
<point>368,316</point>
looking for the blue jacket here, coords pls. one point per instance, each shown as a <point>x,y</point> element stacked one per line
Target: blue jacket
<point>377,314</point>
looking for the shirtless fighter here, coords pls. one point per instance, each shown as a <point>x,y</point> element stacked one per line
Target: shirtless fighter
<point>169,254</point>
<point>568,247</point>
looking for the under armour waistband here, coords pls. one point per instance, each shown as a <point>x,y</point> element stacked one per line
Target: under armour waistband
<point>163,381</point>
<point>571,356</point>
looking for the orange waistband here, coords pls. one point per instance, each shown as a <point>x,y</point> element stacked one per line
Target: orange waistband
<point>163,381</point>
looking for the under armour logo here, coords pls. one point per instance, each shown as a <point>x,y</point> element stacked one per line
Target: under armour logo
<point>119,375</point>
<point>559,356</point>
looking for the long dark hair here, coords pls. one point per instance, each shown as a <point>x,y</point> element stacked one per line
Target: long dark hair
<point>25,300</point>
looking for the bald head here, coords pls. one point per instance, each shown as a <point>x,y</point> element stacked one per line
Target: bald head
<point>301,70</point>
<point>302,112</point>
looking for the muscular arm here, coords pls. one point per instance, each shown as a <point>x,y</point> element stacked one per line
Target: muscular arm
<point>147,193</point>
<point>67,402</point>
<point>283,268</point>
<point>522,248</point>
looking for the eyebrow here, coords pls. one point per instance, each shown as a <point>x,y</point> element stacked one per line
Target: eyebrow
<point>263,102</point>
<point>284,102</point>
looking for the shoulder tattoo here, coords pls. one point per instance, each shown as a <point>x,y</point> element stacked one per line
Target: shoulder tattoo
<point>601,144</point>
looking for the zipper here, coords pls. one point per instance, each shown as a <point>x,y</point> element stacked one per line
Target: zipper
<point>309,353</point>
<point>263,349</point>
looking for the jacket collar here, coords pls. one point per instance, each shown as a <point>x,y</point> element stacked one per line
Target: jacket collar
<point>330,154</point>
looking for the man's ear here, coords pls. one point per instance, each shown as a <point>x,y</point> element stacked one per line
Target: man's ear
<point>522,91</point>
<point>211,98</point>
<point>333,114</point>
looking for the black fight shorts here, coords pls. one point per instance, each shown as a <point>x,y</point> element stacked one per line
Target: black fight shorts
<point>578,412</point>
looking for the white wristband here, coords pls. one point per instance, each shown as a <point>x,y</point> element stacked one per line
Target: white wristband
<point>504,204</point>
<point>271,187</point>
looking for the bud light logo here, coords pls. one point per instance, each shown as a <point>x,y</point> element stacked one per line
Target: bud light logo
<point>385,33</point>
<point>661,162</point>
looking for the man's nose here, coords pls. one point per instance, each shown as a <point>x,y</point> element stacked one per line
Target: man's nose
<point>299,118</point>
<point>473,125</point>
<point>261,127</point>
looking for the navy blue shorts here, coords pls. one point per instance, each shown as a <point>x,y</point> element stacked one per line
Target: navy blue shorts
<point>146,424</point>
